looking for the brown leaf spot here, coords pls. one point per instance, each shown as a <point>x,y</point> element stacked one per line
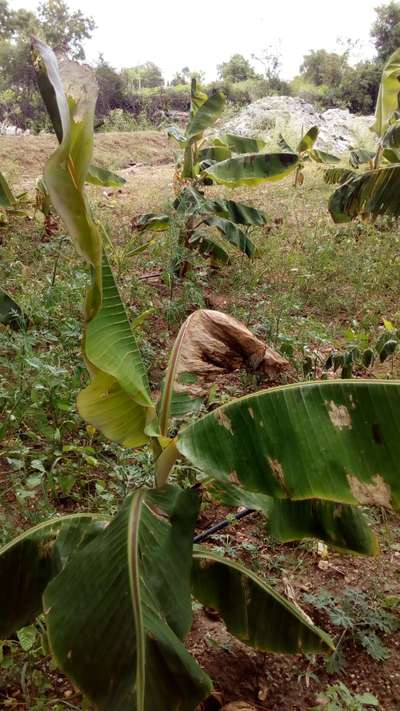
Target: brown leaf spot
<point>278,472</point>
<point>223,419</point>
<point>374,492</point>
<point>339,416</point>
<point>233,477</point>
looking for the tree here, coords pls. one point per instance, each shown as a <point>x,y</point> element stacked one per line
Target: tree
<point>236,69</point>
<point>62,28</point>
<point>321,67</point>
<point>182,77</point>
<point>111,87</point>
<point>385,31</point>
<point>143,76</point>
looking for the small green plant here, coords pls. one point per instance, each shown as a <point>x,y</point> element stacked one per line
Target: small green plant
<point>359,617</point>
<point>337,697</point>
<point>305,151</point>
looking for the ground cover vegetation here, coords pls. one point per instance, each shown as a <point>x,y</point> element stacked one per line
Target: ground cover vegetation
<point>168,405</point>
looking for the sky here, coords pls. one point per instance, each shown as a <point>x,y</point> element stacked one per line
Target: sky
<point>175,33</point>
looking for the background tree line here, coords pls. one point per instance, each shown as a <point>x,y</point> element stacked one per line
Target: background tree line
<point>139,94</point>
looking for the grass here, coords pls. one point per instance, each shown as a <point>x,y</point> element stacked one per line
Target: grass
<point>313,287</point>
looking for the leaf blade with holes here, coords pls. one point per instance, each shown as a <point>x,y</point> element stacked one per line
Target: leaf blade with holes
<point>374,193</point>
<point>101,653</point>
<point>350,457</point>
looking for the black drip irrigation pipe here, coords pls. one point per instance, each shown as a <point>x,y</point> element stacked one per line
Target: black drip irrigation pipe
<point>222,524</point>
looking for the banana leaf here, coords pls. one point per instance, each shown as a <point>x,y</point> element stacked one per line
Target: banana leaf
<point>29,562</point>
<point>333,176</point>
<point>7,199</point>
<point>334,441</point>
<point>103,177</point>
<point>340,526</point>
<point>152,222</point>
<point>252,169</point>
<point>242,144</point>
<point>205,116</point>
<point>11,313</point>
<point>233,234</point>
<point>373,193</point>
<point>388,96</point>
<point>238,212</point>
<point>308,140</point>
<point>322,157</point>
<point>118,612</point>
<point>251,609</point>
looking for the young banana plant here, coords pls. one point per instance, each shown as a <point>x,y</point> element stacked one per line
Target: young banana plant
<point>374,191</point>
<point>116,594</point>
<point>305,152</point>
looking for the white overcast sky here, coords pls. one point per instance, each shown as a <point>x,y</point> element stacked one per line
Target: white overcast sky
<point>175,33</point>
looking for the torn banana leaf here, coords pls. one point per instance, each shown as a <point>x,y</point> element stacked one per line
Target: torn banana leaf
<point>373,193</point>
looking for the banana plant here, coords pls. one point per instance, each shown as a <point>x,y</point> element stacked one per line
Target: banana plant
<point>198,217</point>
<point>10,204</point>
<point>373,192</point>
<point>116,594</point>
<point>306,151</point>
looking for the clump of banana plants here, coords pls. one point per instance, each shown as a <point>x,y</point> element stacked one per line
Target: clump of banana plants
<point>373,191</point>
<point>116,591</point>
<point>198,218</point>
<point>307,152</point>
<point>228,159</point>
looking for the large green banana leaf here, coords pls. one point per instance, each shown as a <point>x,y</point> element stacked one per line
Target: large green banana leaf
<point>374,192</point>
<point>333,176</point>
<point>251,609</point>
<point>242,144</point>
<point>205,115</point>
<point>11,313</point>
<point>253,168</point>
<point>308,140</point>
<point>117,614</point>
<point>335,441</point>
<point>341,526</point>
<point>29,562</point>
<point>388,96</point>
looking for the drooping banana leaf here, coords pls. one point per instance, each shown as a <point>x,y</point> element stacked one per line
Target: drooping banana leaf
<point>341,526</point>
<point>29,562</point>
<point>252,169</point>
<point>11,313</point>
<point>335,441</point>
<point>242,144</point>
<point>373,193</point>
<point>388,96</point>
<point>211,249</point>
<point>238,212</point>
<point>251,609</point>
<point>233,234</point>
<point>205,115</point>
<point>308,140</point>
<point>103,177</point>
<point>118,612</point>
